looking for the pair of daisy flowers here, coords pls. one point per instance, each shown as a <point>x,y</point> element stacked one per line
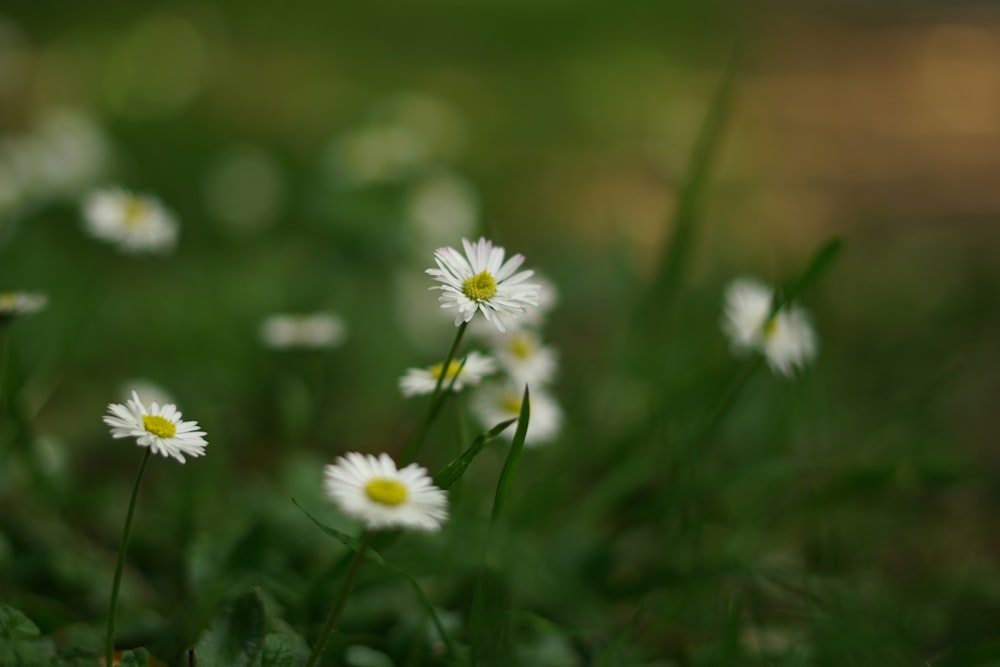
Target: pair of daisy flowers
<point>365,487</point>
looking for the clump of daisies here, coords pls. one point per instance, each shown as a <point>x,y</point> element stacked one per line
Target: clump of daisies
<point>523,358</point>
<point>484,280</point>
<point>785,338</point>
<point>136,223</point>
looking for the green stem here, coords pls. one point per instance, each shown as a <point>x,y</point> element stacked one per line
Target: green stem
<point>412,446</point>
<point>4,356</point>
<point>338,606</point>
<point>109,653</point>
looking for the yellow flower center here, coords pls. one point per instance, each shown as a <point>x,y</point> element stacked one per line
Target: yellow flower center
<point>135,210</point>
<point>158,426</point>
<point>7,301</point>
<point>452,370</point>
<point>480,287</point>
<point>771,327</point>
<point>522,347</point>
<point>386,491</point>
<point>511,403</point>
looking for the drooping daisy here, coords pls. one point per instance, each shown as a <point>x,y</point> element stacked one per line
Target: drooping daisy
<point>482,281</point>
<point>786,340</point>
<point>499,402</point>
<point>136,223</point>
<point>524,358</point>
<point>159,428</point>
<point>372,490</point>
<point>419,381</point>
<point>16,304</point>
<point>317,330</point>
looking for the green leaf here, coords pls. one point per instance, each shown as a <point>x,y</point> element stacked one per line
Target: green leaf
<point>513,456</point>
<point>452,472</point>
<point>280,650</point>
<point>674,255</point>
<point>137,657</point>
<point>354,544</point>
<point>236,637</point>
<point>15,625</point>
<point>612,651</point>
<point>817,266</point>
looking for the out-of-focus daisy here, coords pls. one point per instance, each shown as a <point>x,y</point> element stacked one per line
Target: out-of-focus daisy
<point>371,489</point>
<point>786,340</point>
<point>15,304</point>
<point>419,381</point>
<point>481,281</point>
<point>493,404</point>
<point>159,428</point>
<point>147,390</point>
<point>136,223</point>
<point>440,207</point>
<point>524,358</point>
<point>316,330</point>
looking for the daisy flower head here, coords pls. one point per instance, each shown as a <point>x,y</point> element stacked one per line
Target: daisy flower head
<point>372,490</point>
<point>17,304</point>
<point>786,339</point>
<point>318,330</point>
<point>158,427</point>
<point>420,381</point>
<point>136,223</point>
<point>480,281</point>
<point>500,402</point>
<point>525,359</point>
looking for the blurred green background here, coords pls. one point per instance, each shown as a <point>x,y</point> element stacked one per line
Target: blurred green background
<point>845,517</point>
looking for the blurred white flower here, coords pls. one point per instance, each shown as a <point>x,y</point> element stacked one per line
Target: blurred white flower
<point>14,304</point>
<point>67,153</point>
<point>786,340</point>
<point>495,403</point>
<point>376,153</point>
<point>316,330</point>
<point>441,207</point>
<point>136,223</point>
<point>147,390</point>
<point>159,428</point>
<point>372,490</point>
<point>244,189</point>
<point>482,281</point>
<point>419,381</point>
<point>524,358</point>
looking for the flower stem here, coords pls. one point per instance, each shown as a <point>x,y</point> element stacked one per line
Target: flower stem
<point>416,440</point>
<point>120,565</point>
<point>338,606</point>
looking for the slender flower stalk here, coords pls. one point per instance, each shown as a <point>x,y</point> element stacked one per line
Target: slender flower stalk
<point>109,653</point>
<point>412,446</point>
<point>341,601</point>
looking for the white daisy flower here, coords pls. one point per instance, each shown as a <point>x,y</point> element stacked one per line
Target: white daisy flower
<point>419,381</point>
<point>372,490</point>
<point>786,340</point>
<point>15,304</point>
<point>317,330</point>
<point>156,427</point>
<point>525,359</point>
<point>482,281</point>
<point>496,403</point>
<point>137,223</point>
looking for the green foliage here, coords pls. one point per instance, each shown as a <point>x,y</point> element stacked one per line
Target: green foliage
<point>246,634</point>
